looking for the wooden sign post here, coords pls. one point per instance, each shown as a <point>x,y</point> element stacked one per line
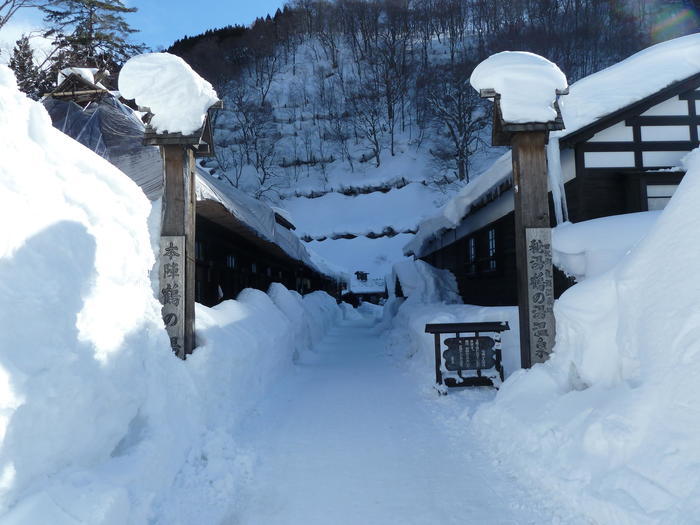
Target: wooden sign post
<point>177,245</point>
<point>533,237</point>
<point>176,260</point>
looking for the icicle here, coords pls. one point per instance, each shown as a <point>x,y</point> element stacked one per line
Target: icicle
<point>556,180</point>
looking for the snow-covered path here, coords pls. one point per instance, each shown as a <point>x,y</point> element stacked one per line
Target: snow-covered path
<point>349,439</point>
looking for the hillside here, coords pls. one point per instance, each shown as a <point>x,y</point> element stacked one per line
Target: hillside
<point>361,112</point>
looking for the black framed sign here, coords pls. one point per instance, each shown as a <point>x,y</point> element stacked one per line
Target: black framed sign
<point>469,353</point>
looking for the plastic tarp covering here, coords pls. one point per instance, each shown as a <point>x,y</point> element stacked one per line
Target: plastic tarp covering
<point>114,132</point>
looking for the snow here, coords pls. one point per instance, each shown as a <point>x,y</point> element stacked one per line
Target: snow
<point>609,424</point>
<point>591,248</point>
<point>165,84</point>
<point>86,73</point>
<point>355,441</point>
<point>527,85</point>
<point>460,205</point>
<point>374,256</point>
<point>401,209</point>
<point>626,82</point>
<point>431,296</point>
<point>14,30</point>
<point>99,422</point>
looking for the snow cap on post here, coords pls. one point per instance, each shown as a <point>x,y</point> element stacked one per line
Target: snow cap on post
<point>526,86</point>
<point>165,84</point>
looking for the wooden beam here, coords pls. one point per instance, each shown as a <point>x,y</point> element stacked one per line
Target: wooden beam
<point>533,247</point>
<point>178,230</point>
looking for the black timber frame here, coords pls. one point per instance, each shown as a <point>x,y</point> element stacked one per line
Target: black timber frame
<point>437,329</point>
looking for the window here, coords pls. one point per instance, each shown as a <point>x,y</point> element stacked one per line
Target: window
<point>199,250</point>
<point>658,195</point>
<point>253,267</point>
<point>471,255</point>
<point>230,261</point>
<point>492,250</point>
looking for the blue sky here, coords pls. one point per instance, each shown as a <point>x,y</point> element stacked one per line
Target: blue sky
<point>161,22</point>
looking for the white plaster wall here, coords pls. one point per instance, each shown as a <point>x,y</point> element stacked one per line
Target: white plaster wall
<point>664,133</point>
<point>609,159</point>
<point>616,133</point>
<point>672,106</point>
<point>652,159</point>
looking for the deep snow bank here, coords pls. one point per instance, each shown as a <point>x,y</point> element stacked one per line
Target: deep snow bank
<point>99,423</point>
<point>431,296</point>
<point>610,423</point>
<point>591,248</point>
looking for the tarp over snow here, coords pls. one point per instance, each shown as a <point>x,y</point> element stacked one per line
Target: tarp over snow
<point>113,131</point>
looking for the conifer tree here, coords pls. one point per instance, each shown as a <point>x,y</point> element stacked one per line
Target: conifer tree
<point>29,77</point>
<point>91,33</point>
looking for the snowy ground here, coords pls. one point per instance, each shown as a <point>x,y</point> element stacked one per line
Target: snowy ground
<point>348,438</point>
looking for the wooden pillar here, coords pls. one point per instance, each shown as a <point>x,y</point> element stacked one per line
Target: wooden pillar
<point>533,246</point>
<point>177,247</point>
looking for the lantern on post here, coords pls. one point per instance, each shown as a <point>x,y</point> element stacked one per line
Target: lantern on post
<point>525,88</point>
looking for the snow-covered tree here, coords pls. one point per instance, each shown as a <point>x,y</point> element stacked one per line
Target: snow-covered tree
<point>91,33</point>
<point>30,79</point>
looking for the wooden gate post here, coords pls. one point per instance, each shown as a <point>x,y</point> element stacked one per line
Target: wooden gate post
<point>177,259</point>
<point>533,240</point>
<point>533,236</point>
<point>177,246</point>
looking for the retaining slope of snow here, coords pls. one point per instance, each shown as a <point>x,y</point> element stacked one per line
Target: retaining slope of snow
<point>591,248</point>
<point>610,423</point>
<point>99,422</point>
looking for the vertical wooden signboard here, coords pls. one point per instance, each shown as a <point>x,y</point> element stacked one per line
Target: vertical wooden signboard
<point>172,290</point>
<point>540,293</point>
<point>177,247</point>
<point>533,246</point>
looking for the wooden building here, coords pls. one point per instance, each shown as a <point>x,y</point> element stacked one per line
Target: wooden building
<point>624,160</point>
<point>240,242</point>
<point>363,289</point>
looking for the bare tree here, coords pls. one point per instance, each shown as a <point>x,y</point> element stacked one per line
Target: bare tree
<point>458,113</point>
<point>8,8</point>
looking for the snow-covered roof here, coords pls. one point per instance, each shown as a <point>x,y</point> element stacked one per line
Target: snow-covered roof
<point>259,218</point>
<point>629,81</point>
<point>459,206</point>
<point>86,73</point>
<point>371,285</point>
<point>590,99</point>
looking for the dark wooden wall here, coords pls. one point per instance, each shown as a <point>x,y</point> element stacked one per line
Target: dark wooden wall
<point>254,267</point>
